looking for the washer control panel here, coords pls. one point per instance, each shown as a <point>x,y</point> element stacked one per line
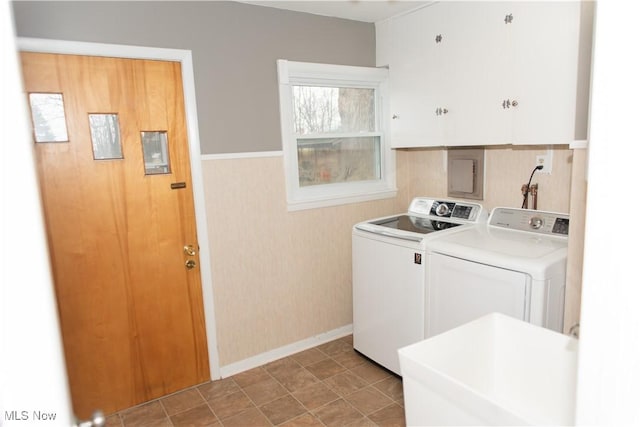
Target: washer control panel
<point>549,223</point>
<point>452,209</point>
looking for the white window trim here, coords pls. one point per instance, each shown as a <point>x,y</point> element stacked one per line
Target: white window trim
<point>296,73</point>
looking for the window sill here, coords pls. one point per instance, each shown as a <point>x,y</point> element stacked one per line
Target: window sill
<point>299,205</point>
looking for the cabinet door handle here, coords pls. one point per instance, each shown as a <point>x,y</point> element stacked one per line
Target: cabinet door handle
<point>395,116</point>
<point>507,103</point>
<point>508,19</point>
<point>438,38</point>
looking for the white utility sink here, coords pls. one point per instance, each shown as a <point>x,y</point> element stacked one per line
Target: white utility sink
<point>495,370</point>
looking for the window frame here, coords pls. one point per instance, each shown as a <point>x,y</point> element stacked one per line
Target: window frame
<point>291,74</point>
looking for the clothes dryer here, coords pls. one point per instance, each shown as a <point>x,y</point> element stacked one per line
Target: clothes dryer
<point>514,264</point>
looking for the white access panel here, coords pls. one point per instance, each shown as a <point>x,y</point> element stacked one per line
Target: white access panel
<point>388,297</point>
<point>461,291</point>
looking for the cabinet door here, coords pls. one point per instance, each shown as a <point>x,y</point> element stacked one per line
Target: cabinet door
<point>484,73</point>
<point>475,65</point>
<point>544,49</point>
<point>438,121</point>
<point>410,71</point>
<point>449,73</point>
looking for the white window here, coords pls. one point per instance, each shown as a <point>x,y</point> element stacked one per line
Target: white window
<point>333,134</point>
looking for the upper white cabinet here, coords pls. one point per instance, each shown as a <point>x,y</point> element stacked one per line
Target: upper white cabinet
<point>408,64</point>
<point>482,73</point>
<point>545,46</point>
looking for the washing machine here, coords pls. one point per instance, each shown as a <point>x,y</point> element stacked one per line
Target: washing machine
<point>514,264</point>
<point>389,274</point>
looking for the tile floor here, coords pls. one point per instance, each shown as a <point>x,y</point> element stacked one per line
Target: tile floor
<point>329,385</point>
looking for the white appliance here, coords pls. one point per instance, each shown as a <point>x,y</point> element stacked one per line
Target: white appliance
<point>388,257</point>
<point>514,264</point>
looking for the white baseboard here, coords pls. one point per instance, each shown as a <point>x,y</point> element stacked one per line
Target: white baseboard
<point>287,350</point>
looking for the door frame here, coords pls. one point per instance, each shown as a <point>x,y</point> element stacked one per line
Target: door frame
<point>188,87</point>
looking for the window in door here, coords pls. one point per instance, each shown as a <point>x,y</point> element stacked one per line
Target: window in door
<point>105,136</point>
<point>156,152</point>
<point>48,117</point>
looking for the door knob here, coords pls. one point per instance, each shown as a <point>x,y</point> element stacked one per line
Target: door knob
<point>190,264</point>
<point>97,420</point>
<point>189,250</point>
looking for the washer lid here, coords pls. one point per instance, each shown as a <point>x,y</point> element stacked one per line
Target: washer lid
<point>513,250</point>
<point>503,243</point>
<point>413,224</point>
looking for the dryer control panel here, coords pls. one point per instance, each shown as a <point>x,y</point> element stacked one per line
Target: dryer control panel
<point>541,222</point>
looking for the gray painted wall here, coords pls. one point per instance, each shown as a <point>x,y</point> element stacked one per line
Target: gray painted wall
<point>234,47</point>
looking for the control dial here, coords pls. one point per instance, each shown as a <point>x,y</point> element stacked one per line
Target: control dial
<point>442,209</point>
<point>536,222</point>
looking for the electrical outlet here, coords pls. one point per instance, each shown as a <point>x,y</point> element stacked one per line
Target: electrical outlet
<point>546,160</point>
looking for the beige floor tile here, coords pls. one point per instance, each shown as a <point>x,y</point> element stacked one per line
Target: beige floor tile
<point>283,409</point>
<point>164,422</point>
<point>334,347</point>
<point>305,420</point>
<point>345,383</point>
<point>113,421</point>
<point>315,395</point>
<point>325,369</point>
<point>391,416</point>
<point>230,405</point>
<point>281,365</point>
<point>348,339</point>
<point>249,418</point>
<point>265,391</point>
<point>288,392</point>
<point>181,401</point>
<point>200,416</point>
<point>337,413</point>
<point>349,359</point>
<point>251,376</point>
<point>368,400</point>
<point>296,379</point>
<point>370,372</point>
<point>362,422</point>
<point>144,415</point>
<point>309,357</point>
<point>391,387</point>
<point>217,389</point>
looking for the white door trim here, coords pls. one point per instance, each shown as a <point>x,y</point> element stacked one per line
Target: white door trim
<point>188,86</point>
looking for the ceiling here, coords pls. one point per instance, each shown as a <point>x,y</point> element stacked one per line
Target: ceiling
<point>357,10</point>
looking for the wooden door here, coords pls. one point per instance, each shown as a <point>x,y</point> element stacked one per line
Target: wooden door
<point>131,312</point>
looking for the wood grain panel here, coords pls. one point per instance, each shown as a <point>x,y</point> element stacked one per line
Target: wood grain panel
<point>131,314</point>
